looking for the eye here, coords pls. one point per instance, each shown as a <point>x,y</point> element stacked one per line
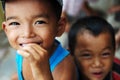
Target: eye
<point>14,23</point>
<point>107,54</point>
<point>40,22</point>
<point>86,55</point>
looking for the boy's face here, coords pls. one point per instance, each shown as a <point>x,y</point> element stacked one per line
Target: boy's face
<point>31,21</point>
<point>94,55</point>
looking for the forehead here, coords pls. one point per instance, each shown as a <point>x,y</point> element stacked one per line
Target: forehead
<point>88,41</point>
<point>29,3</point>
<point>28,6</point>
<point>88,35</point>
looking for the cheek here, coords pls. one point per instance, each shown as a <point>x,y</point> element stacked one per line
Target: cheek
<point>83,65</point>
<point>108,64</point>
<point>46,33</point>
<point>49,35</point>
<point>47,38</point>
<point>12,38</point>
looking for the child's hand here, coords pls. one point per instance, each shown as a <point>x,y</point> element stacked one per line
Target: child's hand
<point>38,59</point>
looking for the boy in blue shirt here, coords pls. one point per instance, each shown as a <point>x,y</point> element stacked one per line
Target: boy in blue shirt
<point>31,27</point>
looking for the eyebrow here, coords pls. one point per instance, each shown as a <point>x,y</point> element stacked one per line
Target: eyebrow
<point>12,17</point>
<point>34,16</point>
<point>41,15</point>
<point>108,48</point>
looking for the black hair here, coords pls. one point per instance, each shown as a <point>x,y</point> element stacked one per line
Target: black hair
<point>95,25</point>
<point>56,6</point>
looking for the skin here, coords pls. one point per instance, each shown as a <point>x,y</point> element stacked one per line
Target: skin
<point>94,55</point>
<point>31,27</point>
<point>117,38</point>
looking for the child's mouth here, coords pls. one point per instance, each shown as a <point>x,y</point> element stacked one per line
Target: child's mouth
<point>24,44</point>
<point>97,74</point>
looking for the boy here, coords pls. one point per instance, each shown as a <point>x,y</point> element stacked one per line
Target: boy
<point>92,43</point>
<point>31,26</point>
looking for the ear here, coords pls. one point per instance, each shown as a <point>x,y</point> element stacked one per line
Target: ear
<point>61,26</point>
<point>4,26</point>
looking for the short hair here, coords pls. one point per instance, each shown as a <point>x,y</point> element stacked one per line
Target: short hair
<point>95,25</point>
<point>56,6</point>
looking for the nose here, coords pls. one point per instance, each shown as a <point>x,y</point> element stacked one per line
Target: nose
<point>28,32</point>
<point>97,63</point>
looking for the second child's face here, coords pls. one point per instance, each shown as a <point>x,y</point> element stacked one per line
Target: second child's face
<point>94,55</point>
<point>30,21</point>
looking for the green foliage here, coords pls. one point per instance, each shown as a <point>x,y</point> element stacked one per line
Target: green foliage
<point>1,15</point>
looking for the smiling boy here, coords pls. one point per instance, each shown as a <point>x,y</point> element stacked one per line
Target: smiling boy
<point>92,44</point>
<point>31,27</point>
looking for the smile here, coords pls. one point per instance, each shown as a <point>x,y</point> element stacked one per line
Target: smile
<point>24,44</point>
<point>97,74</point>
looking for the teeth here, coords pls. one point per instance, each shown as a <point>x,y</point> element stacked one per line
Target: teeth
<point>24,45</point>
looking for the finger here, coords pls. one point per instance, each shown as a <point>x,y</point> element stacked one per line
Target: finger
<point>26,55</point>
<point>32,51</point>
<point>40,50</point>
<point>23,53</point>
